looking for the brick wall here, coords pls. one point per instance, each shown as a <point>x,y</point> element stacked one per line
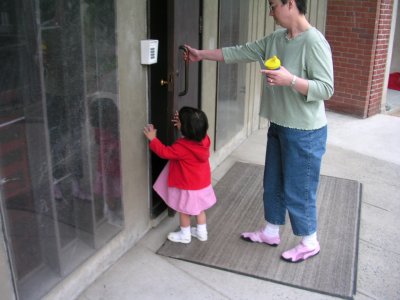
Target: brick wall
<point>358,32</point>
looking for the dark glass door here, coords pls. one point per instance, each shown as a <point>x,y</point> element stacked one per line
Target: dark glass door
<point>60,181</point>
<point>25,177</point>
<point>173,82</point>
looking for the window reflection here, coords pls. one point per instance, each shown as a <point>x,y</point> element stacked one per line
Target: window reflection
<point>107,186</point>
<point>60,182</point>
<point>231,77</point>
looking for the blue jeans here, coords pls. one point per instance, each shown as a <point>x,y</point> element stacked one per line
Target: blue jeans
<point>291,176</point>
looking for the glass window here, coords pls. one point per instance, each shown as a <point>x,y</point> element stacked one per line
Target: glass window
<point>60,179</point>
<point>233,27</point>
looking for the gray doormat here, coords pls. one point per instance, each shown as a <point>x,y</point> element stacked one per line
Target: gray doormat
<point>239,208</point>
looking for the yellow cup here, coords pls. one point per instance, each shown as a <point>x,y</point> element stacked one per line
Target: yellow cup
<point>273,63</point>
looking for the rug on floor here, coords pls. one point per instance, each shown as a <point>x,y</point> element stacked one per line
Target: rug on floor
<point>239,208</point>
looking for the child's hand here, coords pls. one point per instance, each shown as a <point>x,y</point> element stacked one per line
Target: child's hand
<point>150,132</point>
<point>176,121</point>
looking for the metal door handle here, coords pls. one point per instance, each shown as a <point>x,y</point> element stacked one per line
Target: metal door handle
<point>164,82</point>
<point>184,92</point>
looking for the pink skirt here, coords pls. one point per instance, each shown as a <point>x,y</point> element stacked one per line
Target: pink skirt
<point>191,202</point>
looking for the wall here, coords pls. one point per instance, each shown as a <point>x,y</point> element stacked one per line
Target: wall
<point>358,32</point>
<point>381,56</point>
<point>132,28</point>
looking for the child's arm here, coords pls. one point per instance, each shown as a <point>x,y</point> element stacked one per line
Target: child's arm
<point>150,132</point>
<point>175,151</point>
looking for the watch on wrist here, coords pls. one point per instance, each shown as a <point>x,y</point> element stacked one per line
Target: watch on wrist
<point>293,81</point>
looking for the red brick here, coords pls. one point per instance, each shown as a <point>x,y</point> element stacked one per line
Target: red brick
<point>358,32</point>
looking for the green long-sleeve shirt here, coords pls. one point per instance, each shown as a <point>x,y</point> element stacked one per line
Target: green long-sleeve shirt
<point>307,56</point>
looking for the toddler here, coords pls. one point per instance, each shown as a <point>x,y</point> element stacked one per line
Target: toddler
<point>185,182</point>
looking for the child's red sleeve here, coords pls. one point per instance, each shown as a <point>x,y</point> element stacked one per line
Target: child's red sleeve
<point>174,151</point>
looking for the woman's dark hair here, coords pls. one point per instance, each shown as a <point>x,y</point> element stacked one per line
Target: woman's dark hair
<point>301,5</point>
<point>194,123</point>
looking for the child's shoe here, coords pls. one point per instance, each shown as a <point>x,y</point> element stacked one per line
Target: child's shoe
<point>299,253</point>
<point>200,235</point>
<point>179,237</point>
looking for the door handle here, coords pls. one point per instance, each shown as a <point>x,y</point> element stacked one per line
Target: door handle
<point>164,82</point>
<point>184,92</point>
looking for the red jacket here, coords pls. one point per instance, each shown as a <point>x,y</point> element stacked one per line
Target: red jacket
<point>189,168</point>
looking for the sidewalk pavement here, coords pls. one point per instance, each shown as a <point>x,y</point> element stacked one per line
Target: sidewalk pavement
<point>367,150</point>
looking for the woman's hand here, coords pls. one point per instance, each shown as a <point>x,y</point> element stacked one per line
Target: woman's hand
<point>194,55</point>
<point>150,132</point>
<point>281,77</point>
<point>191,54</point>
<point>176,121</point>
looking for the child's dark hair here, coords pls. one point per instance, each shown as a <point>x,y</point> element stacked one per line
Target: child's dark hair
<point>194,123</point>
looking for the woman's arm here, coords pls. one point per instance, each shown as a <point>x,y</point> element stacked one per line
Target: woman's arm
<point>320,72</point>
<point>194,55</point>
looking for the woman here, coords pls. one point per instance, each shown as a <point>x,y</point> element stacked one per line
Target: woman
<point>293,102</point>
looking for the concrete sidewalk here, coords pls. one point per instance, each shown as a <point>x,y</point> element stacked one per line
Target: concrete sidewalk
<point>365,150</point>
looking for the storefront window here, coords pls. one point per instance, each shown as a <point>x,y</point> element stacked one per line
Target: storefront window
<point>60,179</point>
<point>234,17</point>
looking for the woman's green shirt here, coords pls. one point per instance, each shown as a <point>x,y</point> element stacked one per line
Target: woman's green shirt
<point>307,56</point>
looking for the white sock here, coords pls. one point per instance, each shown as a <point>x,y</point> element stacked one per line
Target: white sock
<point>310,240</point>
<point>185,231</point>
<point>201,227</point>
<point>271,229</point>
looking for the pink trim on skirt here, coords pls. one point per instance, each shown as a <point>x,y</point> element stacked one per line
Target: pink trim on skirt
<point>191,202</point>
